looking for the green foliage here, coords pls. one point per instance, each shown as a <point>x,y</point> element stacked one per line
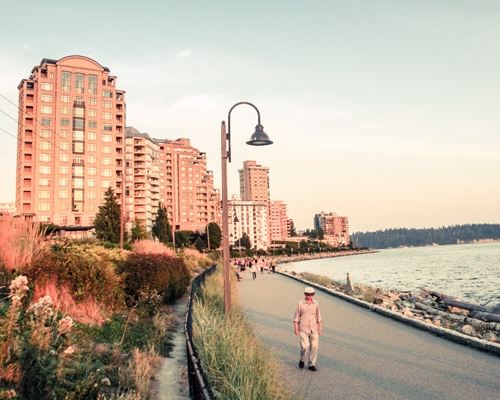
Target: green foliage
<point>183,238</point>
<point>161,226</point>
<point>292,231</point>
<point>88,271</point>
<point>214,235</point>
<point>244,241</point>
<point>107,221</point>
<point>138,232</point>
<point>199,244</point>
<point>321,234</point>
<point>161,273</point>
<point>423,237</point>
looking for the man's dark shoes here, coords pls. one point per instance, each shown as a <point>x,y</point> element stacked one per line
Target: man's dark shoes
<point>301,364</point>
<point>313,368</point>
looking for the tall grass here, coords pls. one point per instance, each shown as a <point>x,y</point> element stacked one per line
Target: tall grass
<point>236,363</point>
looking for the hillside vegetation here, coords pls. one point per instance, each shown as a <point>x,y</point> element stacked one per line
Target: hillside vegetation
<point>427,236</point>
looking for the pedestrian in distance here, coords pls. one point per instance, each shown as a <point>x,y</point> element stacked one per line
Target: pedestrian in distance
<point>307,323</point>
<point>254,270</point>
<point>273,265</point>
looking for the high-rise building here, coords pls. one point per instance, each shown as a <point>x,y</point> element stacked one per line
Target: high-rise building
<point>142,177</point>
<point>279,223</point>
<point>186,186</point>
<point>335,228</point>
<point>254,183</point>
<point>71,137</point>
<point>248,217</point>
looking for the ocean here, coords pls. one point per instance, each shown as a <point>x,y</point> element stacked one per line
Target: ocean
<point>470,272</point>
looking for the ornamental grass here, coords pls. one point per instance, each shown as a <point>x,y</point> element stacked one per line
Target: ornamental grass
<point>237,364</point>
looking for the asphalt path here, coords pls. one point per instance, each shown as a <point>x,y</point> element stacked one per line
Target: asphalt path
<point>364,355</point>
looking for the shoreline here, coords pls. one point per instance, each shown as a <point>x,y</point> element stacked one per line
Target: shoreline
<point>318,256</point>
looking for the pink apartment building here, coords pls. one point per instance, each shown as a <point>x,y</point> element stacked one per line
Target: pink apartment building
<point>335,228</point>
<point>279,222</point>
<point>70,140</point>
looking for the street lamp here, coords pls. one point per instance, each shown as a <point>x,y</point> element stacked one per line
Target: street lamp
<point>259,138</point>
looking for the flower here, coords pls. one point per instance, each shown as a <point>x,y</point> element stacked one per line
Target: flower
<point>65,325</point>
<point>70,350</point>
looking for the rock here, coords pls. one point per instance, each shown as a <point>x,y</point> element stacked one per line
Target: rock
<point>468,330</point>
<point>456,310</point>
<point>407,313</point>
<point>437,322</point>
<point>490,337</point>
<point>393,296</point>
<point>378,300</point>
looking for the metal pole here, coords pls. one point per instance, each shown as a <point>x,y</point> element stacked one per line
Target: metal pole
<point>225,225</point>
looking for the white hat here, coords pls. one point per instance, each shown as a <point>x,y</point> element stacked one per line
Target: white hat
<point>309,290</point>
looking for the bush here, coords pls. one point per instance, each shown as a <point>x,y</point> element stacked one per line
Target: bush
<point>87,271</point>
<point>160,273</point>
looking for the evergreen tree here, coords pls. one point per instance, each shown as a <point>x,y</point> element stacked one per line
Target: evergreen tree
<point>139,232</point>
<point>244,241</point>
<point>214,235</point>
<point>321,234</point>
<point>107,221</point>
<point>292,232</point>
<point>161,227</point>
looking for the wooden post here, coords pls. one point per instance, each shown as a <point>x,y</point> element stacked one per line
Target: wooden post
<point>349,283</point>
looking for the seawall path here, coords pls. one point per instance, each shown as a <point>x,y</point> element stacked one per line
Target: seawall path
<point>363,355</point>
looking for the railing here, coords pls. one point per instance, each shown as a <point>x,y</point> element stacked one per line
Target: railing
<point>199,389</point>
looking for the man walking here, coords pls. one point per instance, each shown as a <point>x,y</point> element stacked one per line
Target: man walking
<point>307,322</point>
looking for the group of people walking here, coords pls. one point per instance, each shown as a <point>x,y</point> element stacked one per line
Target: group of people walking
<point>254,266</point>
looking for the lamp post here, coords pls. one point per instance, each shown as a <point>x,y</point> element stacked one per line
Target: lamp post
<point>259,138</point>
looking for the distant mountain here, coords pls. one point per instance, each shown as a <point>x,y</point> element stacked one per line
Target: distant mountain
<point>424,237</point>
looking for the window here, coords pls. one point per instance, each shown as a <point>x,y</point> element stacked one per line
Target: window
<point>45,145</point>
<point>78,148</point>
<point>92,136</point>
<point>45,157</point>
<point>47,86</point>
<point>91,183</point>
<point>107,149</point>
<point>64,157</point>
<point>64,134</point>
<point>92,101</point>
<point>92,124</point>
<point>78,183</point>
<point>46,110</point>
<point>78,112</point>
<point>65,110</point>
<point>107,93</point>
<point>63,207</point>
<point>107,104</point>
<point>44,170</point>
<point>107,115</point>
<point>44,207</point>
<point>92,171</point>
<point>64,169</point>
<point>65,98</point>
<point>44,182</point>
<point>92,113</point>
<point>63,220</point>
<point>63,194</point>
<point>45,133</point>
<point>44,194</point>
<point>78,135</point>
<point>107,161</point>
<point>77,171</point>
<point>107,127</point>
<point>78,125</point>
<point>64,146</point>
<point>66,81</point>
<point>107,172</point>
<point>107,138</point>
<point>47,98</point>
<point>64,121</point>
<point>78,83</point>
<point>92,147</point>
<point>92,84</point>
<point>106,184</point>
<point>63,182</point>
<point>91,194</point>
<point>91,159</point>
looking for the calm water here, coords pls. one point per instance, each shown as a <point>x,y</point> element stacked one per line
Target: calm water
<point>468,271</point>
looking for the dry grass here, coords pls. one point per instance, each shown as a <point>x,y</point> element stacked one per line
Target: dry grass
<point>141,371</point>
<point>85,312</point>
<point>150,246</point>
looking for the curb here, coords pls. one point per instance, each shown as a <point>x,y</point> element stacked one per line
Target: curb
<point>457,337</point>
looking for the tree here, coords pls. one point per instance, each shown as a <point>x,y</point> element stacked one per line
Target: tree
<point>321,234</point>
<point>184,238</point>
<point>214,235</point>
<point>245,241</point>
<point>139,232</point>
<point>107,222</point>
<point>292,232</point>
<point>161,227</point>
<point>199,244</point>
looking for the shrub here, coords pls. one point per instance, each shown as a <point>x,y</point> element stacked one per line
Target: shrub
<point>161,273</point>
<point>89,272</point>
<point>150,246</point>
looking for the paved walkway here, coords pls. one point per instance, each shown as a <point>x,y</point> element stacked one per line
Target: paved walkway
<point>363,355</point>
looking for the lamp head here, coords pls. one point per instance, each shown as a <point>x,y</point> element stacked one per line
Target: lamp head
<point>259,137</point>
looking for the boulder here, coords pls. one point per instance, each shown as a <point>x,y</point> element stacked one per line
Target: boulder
<point>468,330</point>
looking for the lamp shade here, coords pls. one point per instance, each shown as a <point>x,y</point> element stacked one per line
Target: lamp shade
<point>259,137</point>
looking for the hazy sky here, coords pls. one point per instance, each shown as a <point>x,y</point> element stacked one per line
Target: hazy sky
<point>387,111</point>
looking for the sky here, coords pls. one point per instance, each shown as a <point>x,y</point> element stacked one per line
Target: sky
<point>385,111</point>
